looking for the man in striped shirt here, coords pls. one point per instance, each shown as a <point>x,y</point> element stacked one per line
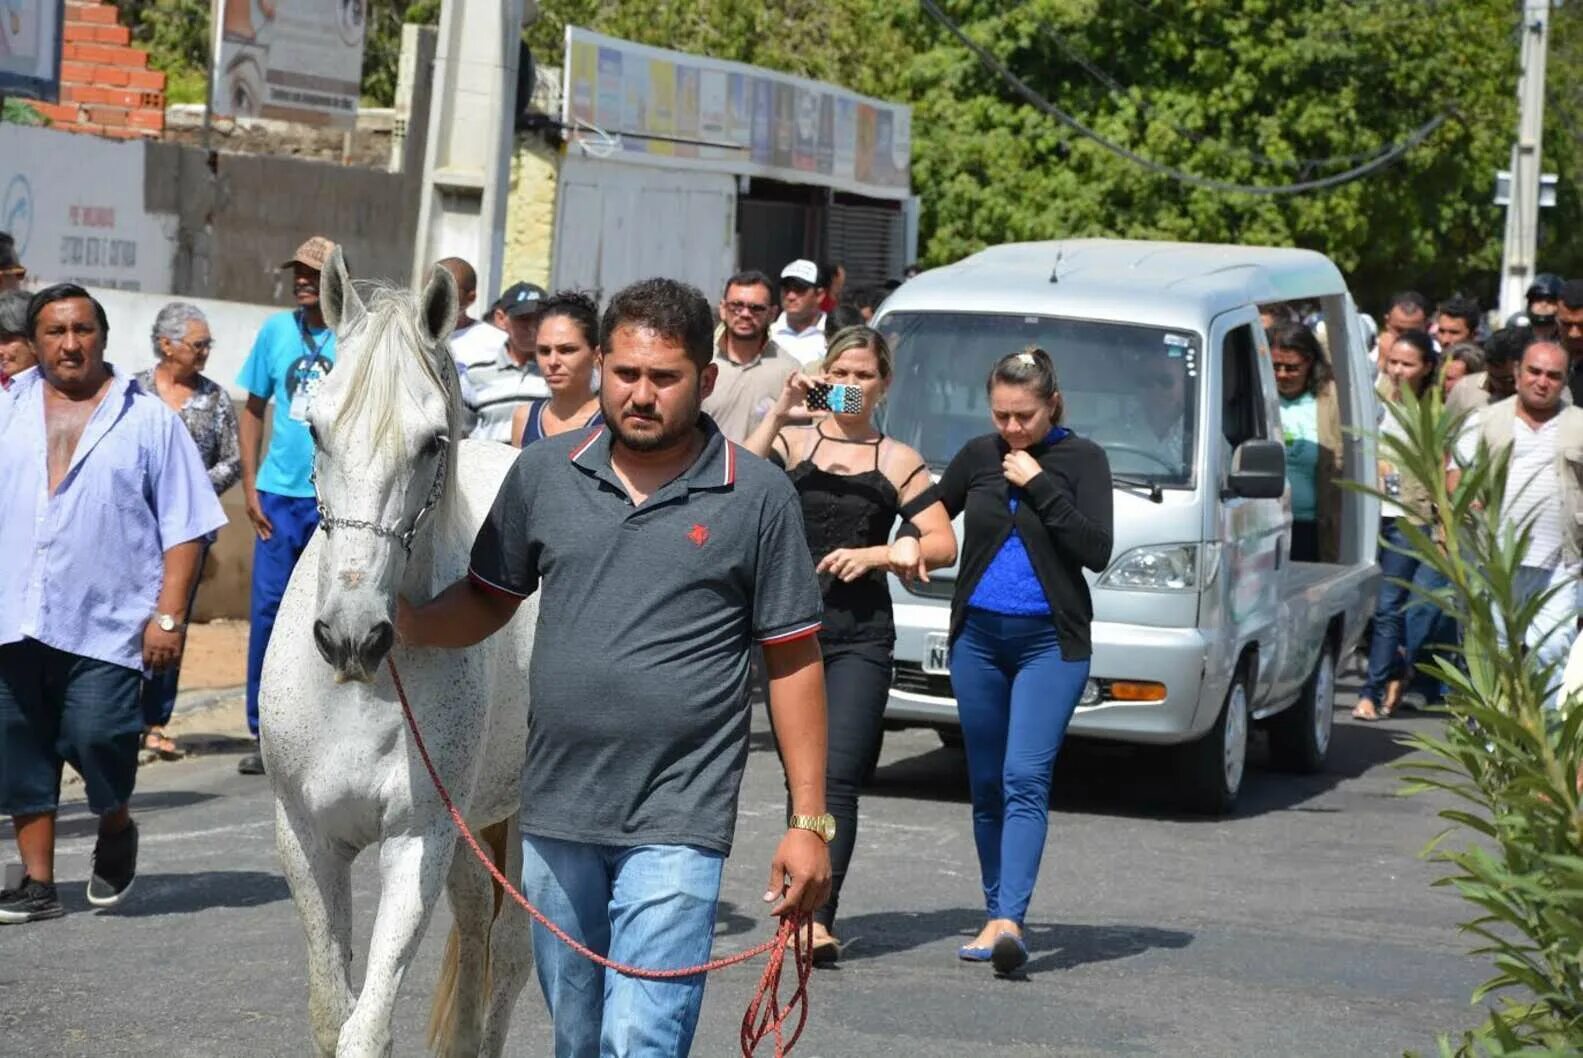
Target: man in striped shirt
<point>1544,493</point>
<point>508,377</point>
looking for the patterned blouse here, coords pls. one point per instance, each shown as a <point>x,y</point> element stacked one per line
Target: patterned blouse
<point>210,418</point>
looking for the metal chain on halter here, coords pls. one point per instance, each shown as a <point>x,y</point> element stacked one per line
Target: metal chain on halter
<point>404,537</point>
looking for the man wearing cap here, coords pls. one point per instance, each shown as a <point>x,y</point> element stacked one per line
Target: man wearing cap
<point>800,327</point>
<point>11,271</point>
<point>509,376</point>
<point>1539,315</point>
<point>291,355</point>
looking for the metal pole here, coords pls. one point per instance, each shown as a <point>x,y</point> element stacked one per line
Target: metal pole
<point>1518,261</point>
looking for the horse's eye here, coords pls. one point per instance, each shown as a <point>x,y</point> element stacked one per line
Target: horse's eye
<point>435,443</point>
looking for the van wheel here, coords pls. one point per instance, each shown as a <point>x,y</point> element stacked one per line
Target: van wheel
<point>1300,735</point>
<point>1212,767</point>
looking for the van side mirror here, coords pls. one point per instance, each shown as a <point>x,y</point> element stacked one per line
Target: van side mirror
<point>1258,470</point>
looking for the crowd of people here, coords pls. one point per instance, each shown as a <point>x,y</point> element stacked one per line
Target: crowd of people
<point>652,401</point>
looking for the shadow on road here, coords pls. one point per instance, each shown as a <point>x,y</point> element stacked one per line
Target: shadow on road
<point>1112,779</point>
<point>1055,946</point>
<point>75,821</point>
<point>184,894</point>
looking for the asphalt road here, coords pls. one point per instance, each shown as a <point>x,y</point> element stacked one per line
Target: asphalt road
<point>1305,925</point>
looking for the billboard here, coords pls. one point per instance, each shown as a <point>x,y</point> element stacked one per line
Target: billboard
<point>630,102</point>
<point>30,32</point>
<point>71,224</point>
<point>294,60</point>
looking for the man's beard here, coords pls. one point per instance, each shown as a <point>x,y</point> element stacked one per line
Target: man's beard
<point>672,431</point>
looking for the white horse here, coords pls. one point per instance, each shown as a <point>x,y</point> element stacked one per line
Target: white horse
<point>400,500</point>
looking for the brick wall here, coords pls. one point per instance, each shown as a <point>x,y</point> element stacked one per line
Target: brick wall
<point>106,87</point>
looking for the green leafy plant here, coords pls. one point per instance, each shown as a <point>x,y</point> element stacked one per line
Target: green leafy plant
<point>1513,767</point>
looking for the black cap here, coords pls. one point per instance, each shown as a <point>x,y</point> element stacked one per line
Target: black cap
<point>1546,286</point>
<point>522,299</point>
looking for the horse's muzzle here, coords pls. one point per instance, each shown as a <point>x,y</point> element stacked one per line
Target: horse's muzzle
<point>354,661</point>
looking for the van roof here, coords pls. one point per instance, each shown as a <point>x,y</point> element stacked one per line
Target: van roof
<point>1178,284</point>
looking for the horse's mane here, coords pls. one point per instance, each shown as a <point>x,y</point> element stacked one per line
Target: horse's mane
<point>390,345</point>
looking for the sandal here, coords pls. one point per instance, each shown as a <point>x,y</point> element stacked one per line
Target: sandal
<point>157,742</point>
<point>1370,715</point>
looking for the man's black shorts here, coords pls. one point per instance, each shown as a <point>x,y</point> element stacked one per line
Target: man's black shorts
<point>58,708</point>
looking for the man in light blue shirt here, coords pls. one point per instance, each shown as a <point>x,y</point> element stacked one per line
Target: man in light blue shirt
<point>106,502</point>
<point>292,354</point>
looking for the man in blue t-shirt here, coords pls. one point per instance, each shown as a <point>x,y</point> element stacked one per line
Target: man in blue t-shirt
<point>291,355</point>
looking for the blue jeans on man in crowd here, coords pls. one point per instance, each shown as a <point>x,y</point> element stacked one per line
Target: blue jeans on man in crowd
<point>646,905</point>
<point>294,518</point>
<point>1429,631</point>
<point>1015,695</point>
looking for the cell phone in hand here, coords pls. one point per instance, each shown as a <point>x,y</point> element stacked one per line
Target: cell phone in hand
<point>824,396</point>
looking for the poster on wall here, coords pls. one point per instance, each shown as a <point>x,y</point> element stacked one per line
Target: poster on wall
<point>294,60</point>
<point>671,109</point>
<point>71,225</point>
<point>30,48</point>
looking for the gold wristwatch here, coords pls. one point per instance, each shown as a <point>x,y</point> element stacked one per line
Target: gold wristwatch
<point>823,825</point>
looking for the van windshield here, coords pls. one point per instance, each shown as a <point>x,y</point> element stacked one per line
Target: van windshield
<point>1131,389</point>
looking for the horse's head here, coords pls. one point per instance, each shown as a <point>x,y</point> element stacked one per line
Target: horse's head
<point>383,425</point>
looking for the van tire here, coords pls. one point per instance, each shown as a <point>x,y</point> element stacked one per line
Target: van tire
<point>1212,768</point>
<point>1300,734</point>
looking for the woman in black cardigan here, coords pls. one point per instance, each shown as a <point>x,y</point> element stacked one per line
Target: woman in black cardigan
<point>1038,505</point>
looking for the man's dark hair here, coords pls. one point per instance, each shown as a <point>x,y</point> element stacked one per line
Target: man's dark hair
<point>840,318</point>
<point>750,278</point>
<point>1410,300</point>
<point>13,315</point>
<point>869,297</point>
<point>1506,345</point>
<point>63,292</point>
<point>672,309</point>
<point>1296,336</point>
<point>827,273</point>
<point>890,285</point>
<point>8,257</point>
<point>466,275</point>
<point>1282,312</point>
<point>1462,308</point>
<point>1572,294</point>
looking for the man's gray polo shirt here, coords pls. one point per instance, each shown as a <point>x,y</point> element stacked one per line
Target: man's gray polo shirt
<point>639,678</point>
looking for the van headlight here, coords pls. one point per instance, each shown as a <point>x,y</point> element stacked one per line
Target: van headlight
<point>1161,567</point>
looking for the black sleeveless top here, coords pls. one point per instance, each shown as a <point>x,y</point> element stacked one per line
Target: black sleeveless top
<point>851,511</point>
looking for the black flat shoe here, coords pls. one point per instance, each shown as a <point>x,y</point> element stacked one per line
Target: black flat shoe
<point>29,902</point>
<point>114,867</point>
<point>252,764</point>
<point>1009,954</point>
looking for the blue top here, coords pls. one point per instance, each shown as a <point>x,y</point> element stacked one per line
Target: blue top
<point>86,563</point>
<point>287,362</point>
<point>533,429</point>
<point>1300,427</point>
<point>1010,585</point>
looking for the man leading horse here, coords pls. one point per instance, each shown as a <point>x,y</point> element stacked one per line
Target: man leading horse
<point>660,553</point>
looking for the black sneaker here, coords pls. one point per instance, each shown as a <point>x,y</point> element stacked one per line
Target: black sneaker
<point>29,902</point>
<point>114,867</point>
<point>252,764</point>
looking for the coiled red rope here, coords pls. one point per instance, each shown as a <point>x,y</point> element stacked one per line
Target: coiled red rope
<point>766,1016</point>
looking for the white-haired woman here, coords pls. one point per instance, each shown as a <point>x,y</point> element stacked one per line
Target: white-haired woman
<point>181,349</point>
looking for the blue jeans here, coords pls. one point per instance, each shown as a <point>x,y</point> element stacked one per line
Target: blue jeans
<point>648,905</point>
<point>294,518</point>
<point>1430,631</point>
<point>1390,622</point>
<point>1015,695</point>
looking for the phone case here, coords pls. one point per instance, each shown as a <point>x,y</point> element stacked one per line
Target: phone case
<point>848,400</point>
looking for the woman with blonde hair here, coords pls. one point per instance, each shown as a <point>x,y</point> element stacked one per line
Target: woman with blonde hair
<point>853,483</point>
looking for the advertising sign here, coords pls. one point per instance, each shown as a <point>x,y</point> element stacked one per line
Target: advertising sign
<point>30,48</point>
<point>72,222</point>
<point>295,60</point>
<point>667,108</point>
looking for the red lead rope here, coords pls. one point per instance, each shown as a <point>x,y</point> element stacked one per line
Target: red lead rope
<point>765,1016</point>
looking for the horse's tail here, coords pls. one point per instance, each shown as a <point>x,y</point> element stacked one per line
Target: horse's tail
<point>442,1015</point>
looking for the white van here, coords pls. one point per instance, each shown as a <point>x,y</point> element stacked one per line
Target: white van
<point>1203,625</point>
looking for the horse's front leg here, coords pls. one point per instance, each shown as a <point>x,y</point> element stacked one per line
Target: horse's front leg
<point>412,869</point>
<point>319,874</point>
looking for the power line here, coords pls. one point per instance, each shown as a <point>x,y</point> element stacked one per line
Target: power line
<point>1304,165</point>
<point>1413,139</point>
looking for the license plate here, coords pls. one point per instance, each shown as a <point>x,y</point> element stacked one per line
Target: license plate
<point>937,654</point>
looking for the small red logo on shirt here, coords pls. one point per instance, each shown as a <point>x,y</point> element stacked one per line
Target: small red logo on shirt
<point>698,534</point>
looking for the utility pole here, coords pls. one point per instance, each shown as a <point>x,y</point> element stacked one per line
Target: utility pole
<point>1519,260</point>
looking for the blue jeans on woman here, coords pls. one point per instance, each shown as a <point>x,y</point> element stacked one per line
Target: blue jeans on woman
<point>648,905</point>
<point>1015,695</point>
<point>1399,568</point>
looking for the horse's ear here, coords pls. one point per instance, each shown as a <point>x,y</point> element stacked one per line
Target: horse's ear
<point>439,305</point>
<point>337,299</point>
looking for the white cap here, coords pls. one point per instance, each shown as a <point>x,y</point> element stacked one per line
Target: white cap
<point>802,269</point>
